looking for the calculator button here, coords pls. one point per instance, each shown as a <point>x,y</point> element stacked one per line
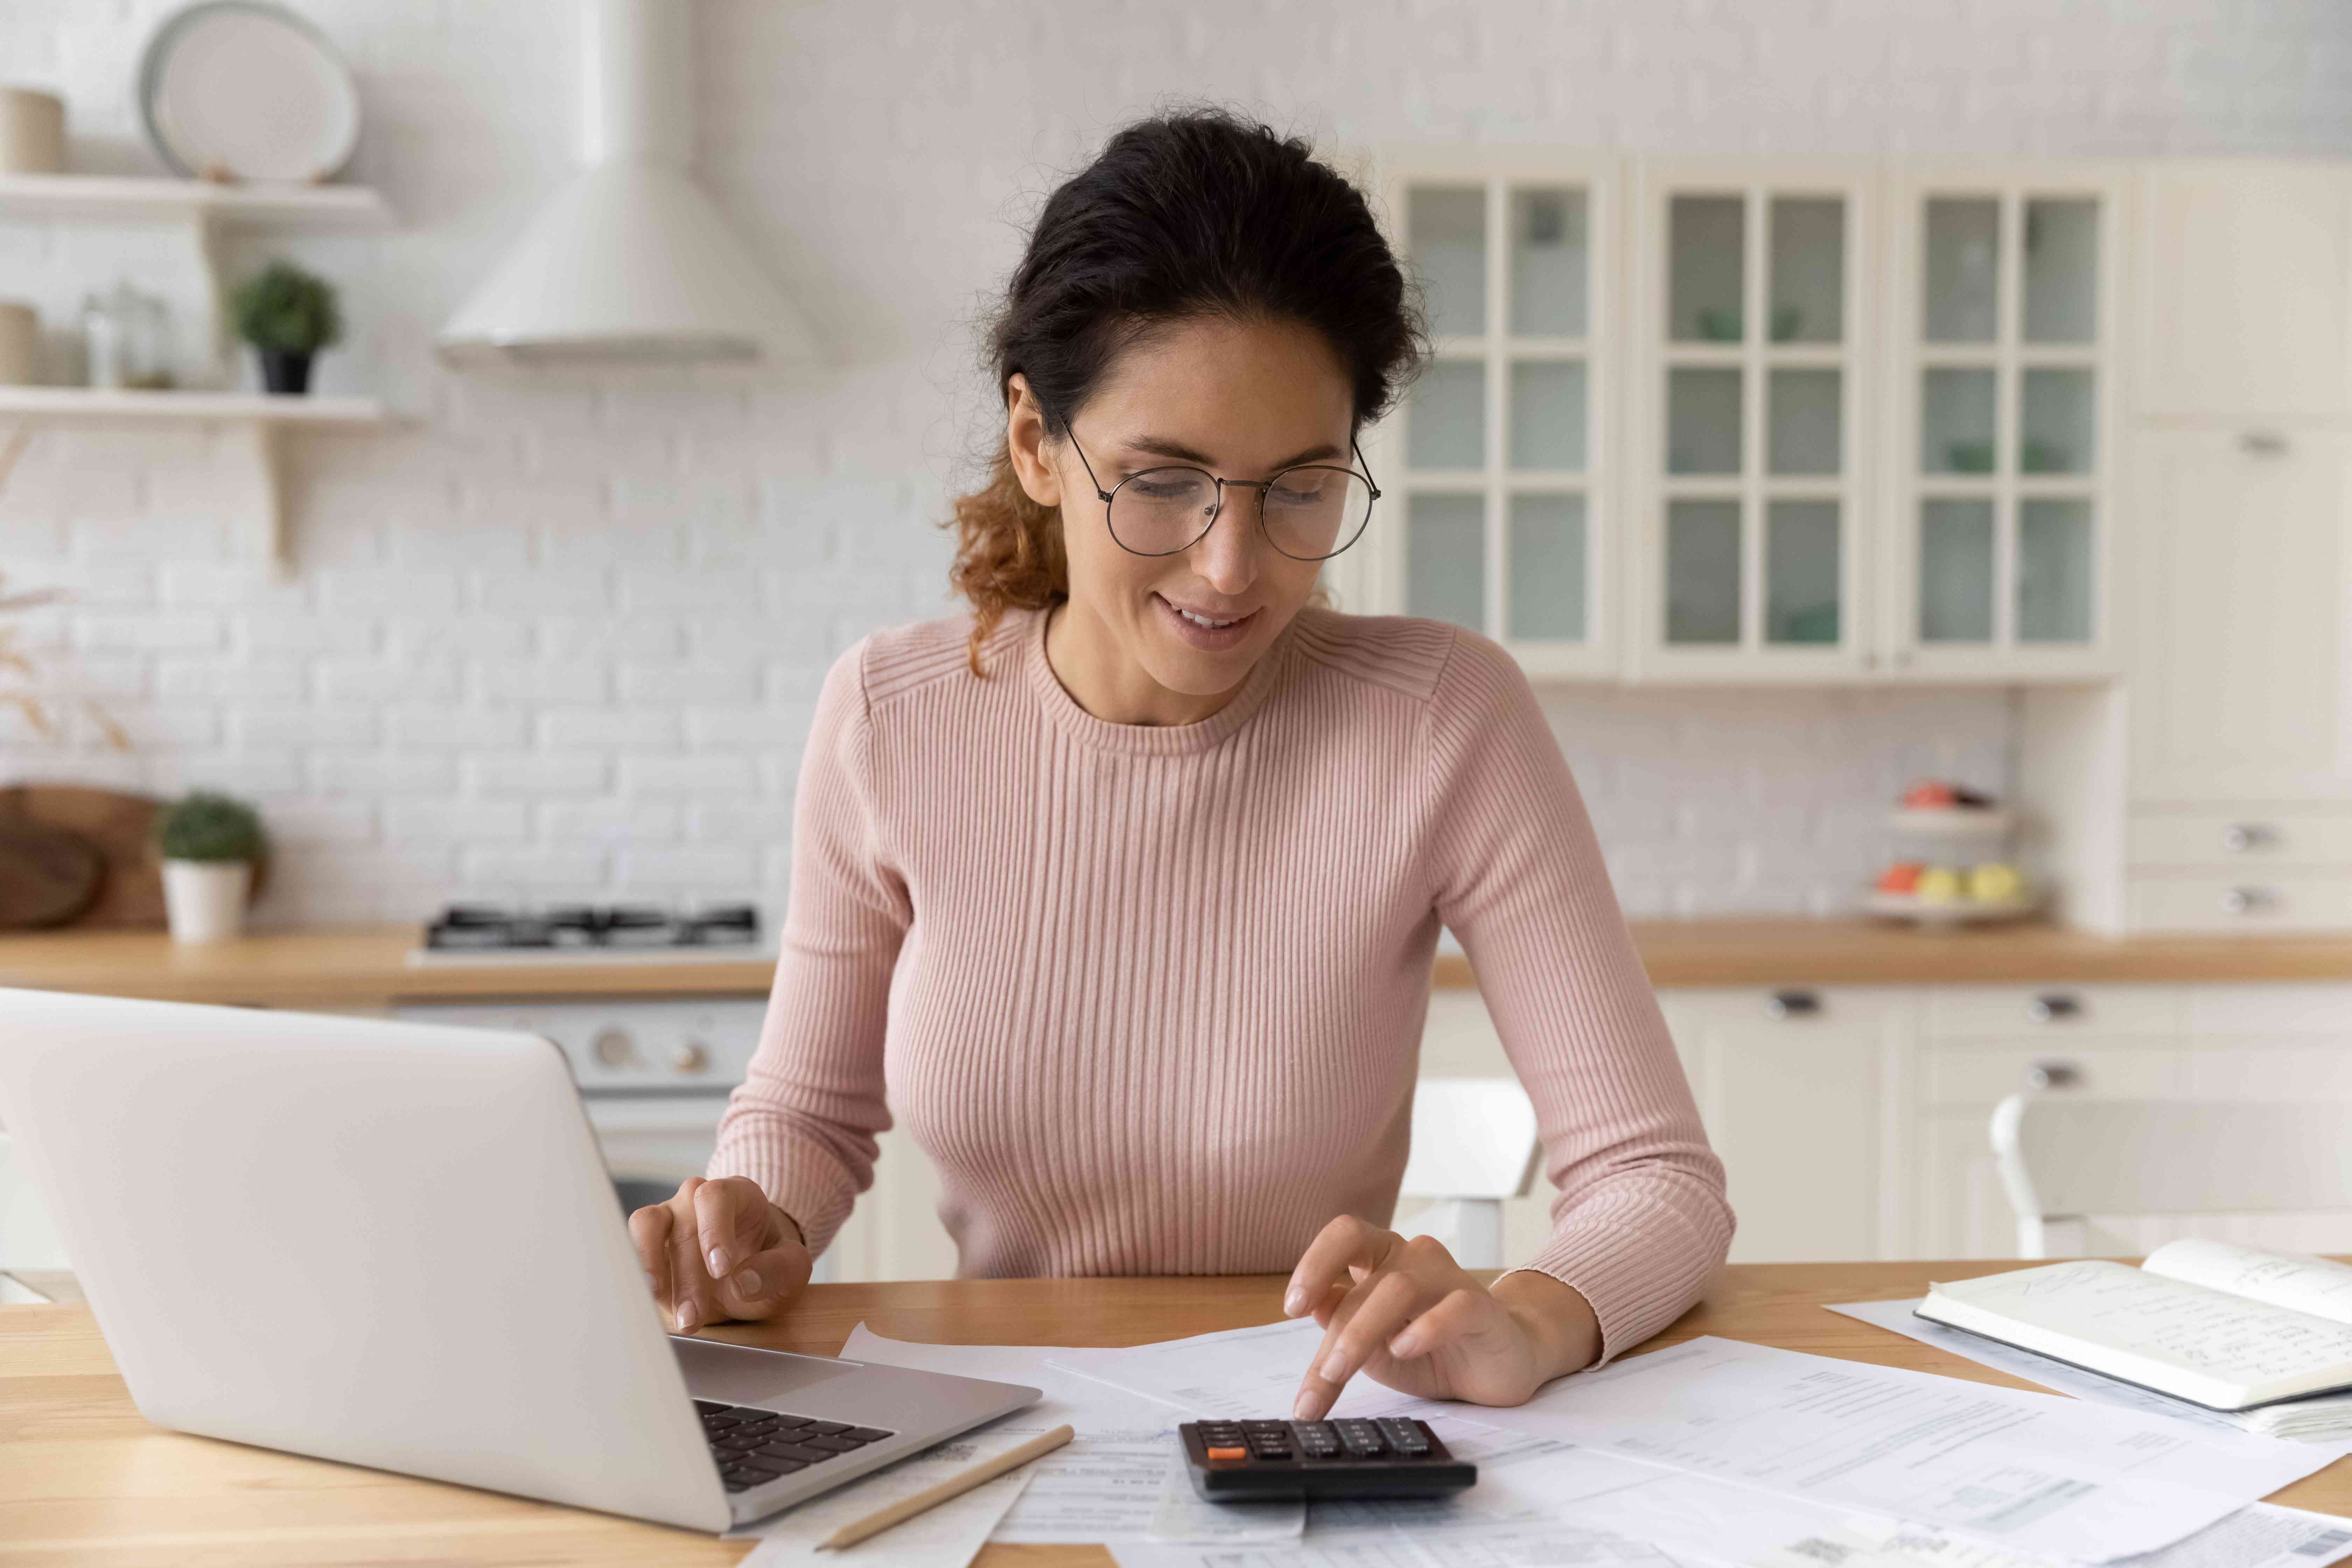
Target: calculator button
<point>1234,1453</point>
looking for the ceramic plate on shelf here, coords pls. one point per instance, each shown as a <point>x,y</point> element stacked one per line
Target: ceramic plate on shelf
<point>237,90</point>
<point>1951,822</point>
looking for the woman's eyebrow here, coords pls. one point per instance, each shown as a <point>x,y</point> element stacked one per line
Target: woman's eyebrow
<point>1159,446</point>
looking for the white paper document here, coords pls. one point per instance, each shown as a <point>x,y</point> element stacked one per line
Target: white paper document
<point>2257,1536</point>
<point>2029,1472</point>
<point>942,1537</point>
<point>1111,1481</point>
<point>2319,1286</point>
<point>1897,1317</point>
<point>1239,1373</point>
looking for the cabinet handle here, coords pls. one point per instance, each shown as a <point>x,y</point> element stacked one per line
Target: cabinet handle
<point>2052,1006</point>
<point>1793,1004</point>
<point>2240,837</point>
<point>2261,443</point>
<point>2244,900</point>
<point>2052,1075</point>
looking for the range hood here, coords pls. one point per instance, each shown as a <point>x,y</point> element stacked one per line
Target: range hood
<point>632,263</point>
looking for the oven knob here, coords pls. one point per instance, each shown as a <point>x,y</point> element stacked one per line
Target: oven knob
<point>690,1057</point>
<point>612,1047</point>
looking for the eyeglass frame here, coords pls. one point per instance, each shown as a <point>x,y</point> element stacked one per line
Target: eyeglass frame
<point>1361,471</point>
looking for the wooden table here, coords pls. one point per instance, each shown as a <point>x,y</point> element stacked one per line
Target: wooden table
<point>84,1480</point>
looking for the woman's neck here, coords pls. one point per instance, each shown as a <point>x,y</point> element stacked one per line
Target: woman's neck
<point>1102,678</point>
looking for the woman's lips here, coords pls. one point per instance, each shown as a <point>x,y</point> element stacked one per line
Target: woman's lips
<point>1208,640</point>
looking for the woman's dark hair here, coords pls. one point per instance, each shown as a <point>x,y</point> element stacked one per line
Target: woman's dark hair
<point>1184,215</point>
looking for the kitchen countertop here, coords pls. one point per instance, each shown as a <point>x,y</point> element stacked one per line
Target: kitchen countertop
<point>366,966</point>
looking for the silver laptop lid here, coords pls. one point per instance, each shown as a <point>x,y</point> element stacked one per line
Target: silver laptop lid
<point>384,1243</point>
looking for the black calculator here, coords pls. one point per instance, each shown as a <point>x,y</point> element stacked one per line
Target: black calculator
<point>1237,1461</point>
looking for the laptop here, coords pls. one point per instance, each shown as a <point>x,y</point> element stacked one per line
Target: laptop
<point>396,1245</point>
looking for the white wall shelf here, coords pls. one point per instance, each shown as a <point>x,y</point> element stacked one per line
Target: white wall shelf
<point>248,424</point>
<point>108,196</point>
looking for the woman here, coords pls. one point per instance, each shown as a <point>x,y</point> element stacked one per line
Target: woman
<point>1122,891</point>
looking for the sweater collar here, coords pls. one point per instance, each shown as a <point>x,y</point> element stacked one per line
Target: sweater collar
<point>1149,740</point>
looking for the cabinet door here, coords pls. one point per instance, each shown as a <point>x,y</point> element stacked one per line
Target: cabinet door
<point>1753,305</point>
<point>1797,1091</point>
<point>1499,513</point>
<point>2246,310</point>
<point>2240,585</point>
<point>2001,370</point>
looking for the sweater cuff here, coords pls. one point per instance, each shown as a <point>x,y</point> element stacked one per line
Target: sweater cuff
<point>812,1189</point>
<point>1635,1286</point>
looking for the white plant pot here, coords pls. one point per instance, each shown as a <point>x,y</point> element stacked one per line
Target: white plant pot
<point>204,900</point>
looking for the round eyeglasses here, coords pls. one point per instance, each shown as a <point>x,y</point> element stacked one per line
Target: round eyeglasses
<point>1309,513</point>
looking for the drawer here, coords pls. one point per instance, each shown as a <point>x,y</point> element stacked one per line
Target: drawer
<point>1983,1075</point>
<point>2223,840</point>
<point>2270,1010</point>
<point>2023,1014</point>
<point>2253,902</point>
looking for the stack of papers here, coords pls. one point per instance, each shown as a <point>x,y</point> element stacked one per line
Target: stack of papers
<point>2322,1418</point>
<point>1706,1453</point>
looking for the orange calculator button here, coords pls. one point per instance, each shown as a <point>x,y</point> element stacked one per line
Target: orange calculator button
<point>1229,1453</point>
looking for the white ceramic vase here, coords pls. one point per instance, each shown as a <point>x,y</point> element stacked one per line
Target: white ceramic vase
<point>204,900</point>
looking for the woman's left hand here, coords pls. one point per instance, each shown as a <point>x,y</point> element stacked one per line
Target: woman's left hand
<point>1406,1314</point>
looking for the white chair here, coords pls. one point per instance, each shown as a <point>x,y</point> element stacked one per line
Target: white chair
<point>1473,1145</point>
<point>2062,1159</point>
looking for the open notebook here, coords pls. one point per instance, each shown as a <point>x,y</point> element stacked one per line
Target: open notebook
<point>2222,1326</point>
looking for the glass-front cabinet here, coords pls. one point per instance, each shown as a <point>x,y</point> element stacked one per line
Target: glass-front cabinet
<point>2005,290</point>
<point>1498,509</point>
<point>1753,389</point>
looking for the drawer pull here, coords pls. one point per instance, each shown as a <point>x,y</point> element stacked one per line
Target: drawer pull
<point>2054,1007</point>
<point>2261,443</point>
<point>2240,837</point>
<point>2245,900</point>
<point>2052,1075</point>
<point>1793,1004</point>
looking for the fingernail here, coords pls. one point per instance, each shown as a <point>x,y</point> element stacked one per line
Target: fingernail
<point>747,1284</point>
<point>1294,1303</point>
<point>717,1261</point>
<point>1303,1410</point>
<point>1403,1345</point>
<point>688,1318</point>
<point>1335,1370</point>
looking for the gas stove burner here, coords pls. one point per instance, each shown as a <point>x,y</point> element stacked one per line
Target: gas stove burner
<point>485,928</point>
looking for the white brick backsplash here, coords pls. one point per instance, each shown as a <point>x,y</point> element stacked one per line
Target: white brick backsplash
<point>710,775</point>
<point>456,727</point>
<point>536,773</point>
<point>559,634</point>
<point>608,727</point>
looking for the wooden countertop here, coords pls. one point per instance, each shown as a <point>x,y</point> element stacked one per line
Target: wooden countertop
<point>365,966</point>
<point>85,1479</point>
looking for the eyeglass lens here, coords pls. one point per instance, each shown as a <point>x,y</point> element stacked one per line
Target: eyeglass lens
<point>1309,512</point>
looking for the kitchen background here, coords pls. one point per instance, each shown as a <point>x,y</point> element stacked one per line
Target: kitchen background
<point>557,636</point>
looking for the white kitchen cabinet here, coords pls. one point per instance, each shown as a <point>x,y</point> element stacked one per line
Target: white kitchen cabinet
<point>2246,307</point>
<point>1805,1096</point>
<point>1751,430</point>
<point>2003,284</point>
<point>1501,496</point>
<point>2243,587</point>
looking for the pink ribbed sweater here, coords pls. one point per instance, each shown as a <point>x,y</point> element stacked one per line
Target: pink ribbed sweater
<point>1152,998</point>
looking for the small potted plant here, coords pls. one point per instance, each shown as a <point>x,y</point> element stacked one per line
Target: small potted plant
<point>287,315</point>
<point>209,843</point>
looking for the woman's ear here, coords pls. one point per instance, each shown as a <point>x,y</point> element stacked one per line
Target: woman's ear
<point>1025,441</point>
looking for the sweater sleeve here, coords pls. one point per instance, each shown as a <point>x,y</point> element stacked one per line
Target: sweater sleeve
<point>1640,1222</point>
<point>803,1124</point>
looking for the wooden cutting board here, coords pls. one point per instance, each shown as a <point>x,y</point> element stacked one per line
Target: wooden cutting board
<point>120,828</point>
<point>48,875</point>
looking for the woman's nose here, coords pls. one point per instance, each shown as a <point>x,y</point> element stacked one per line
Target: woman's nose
<point>1226,556</point>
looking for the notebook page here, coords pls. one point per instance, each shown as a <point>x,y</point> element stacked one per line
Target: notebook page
<point>2164,1332</point>
<point>2294,1279</point>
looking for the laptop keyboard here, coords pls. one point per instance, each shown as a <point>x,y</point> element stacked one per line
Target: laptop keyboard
<point>753,1446</point>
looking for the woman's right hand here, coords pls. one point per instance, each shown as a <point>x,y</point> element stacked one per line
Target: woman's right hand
<point>719,1250</point>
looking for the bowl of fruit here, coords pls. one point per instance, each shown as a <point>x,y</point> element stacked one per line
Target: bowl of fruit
<point>1985,893</point>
